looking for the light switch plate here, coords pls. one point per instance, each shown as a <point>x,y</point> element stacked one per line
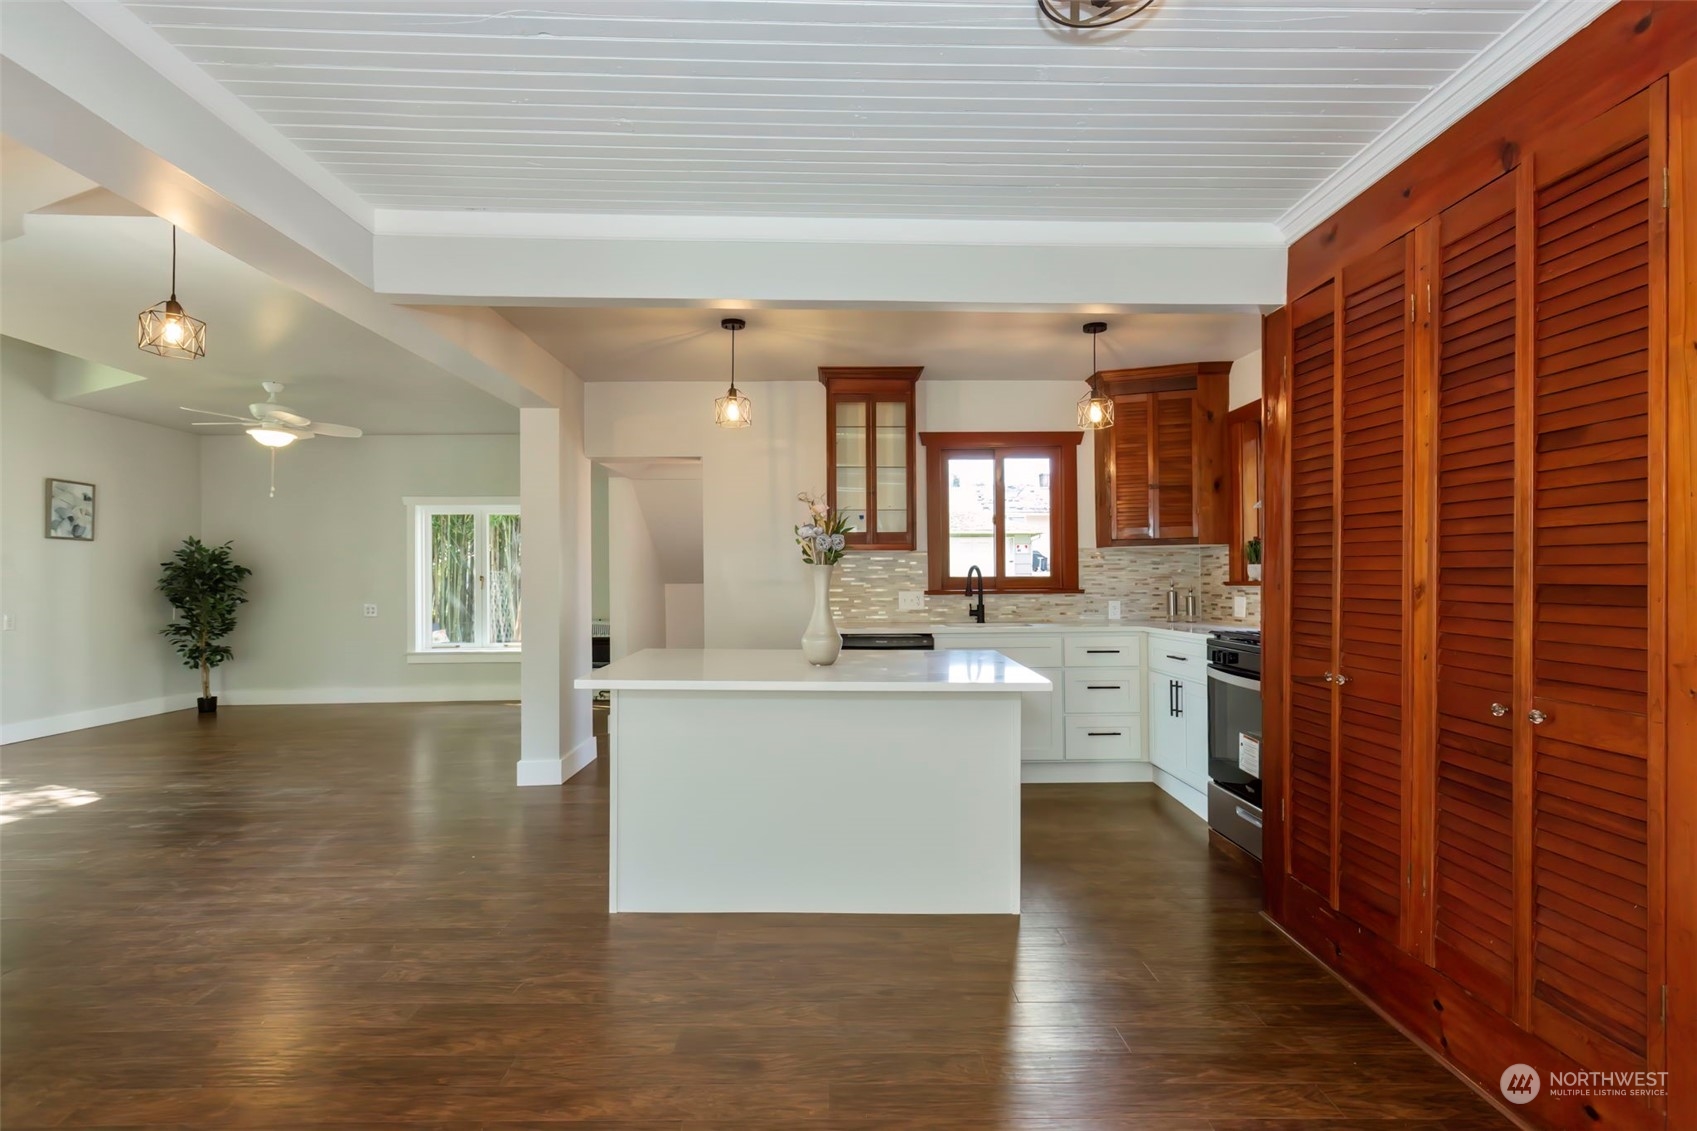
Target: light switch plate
<point>1240,605</point>
<point>370,610</point>
<point>6,623</point>
<point>1114,610</point>
<point>910,601</point>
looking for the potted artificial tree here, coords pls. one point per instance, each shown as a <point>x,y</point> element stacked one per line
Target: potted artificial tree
<point>1252,558</point>
<point>204,585</point>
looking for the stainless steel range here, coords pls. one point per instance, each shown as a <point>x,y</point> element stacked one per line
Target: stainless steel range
<point>1234,737</point>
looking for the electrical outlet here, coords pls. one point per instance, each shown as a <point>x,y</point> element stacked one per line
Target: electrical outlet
<point>1114,610</point>
<point>370,610</point>
<point>910,600</point>
<point>1240,605</point>
<point>6,623</point>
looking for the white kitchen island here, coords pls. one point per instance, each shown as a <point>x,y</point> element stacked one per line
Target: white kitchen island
<point>887,783</point>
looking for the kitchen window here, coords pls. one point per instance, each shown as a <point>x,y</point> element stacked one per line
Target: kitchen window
<point>1006,502</point>
<point>465,583</point>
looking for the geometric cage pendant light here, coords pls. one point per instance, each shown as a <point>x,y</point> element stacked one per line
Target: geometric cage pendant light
<point>732,410</point>
<point>165,328</point>
<point>1095,408</point>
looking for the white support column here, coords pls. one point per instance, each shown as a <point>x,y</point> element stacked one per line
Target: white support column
<point>540,515</point>
<point>556,739</point>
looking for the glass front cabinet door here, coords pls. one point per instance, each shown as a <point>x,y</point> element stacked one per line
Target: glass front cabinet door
<point>869,429</point>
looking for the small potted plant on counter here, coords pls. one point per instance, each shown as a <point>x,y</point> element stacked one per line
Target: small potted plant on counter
<point>1252,558</point>
<point>204,585</point>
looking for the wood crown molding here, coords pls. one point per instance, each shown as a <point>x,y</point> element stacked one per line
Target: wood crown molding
<point>832,373</point>
<point>1539,32</point>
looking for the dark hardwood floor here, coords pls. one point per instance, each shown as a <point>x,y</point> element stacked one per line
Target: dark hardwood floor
<point>350,916</point>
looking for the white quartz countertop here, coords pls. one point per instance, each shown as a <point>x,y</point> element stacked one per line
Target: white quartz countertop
<point>735,669</point>
<point>957,628</point>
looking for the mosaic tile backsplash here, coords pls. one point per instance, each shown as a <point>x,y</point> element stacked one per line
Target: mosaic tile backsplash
<point>864,588</point>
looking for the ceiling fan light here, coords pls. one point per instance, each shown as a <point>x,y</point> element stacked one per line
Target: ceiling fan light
<point>273,437</point>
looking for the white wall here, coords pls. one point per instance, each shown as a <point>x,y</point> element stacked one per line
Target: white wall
<point>757,594</point>
<point>685,615</point>
<point>636,585</point>
<point>334,538</point>
<point>600,593</point>
<point>1245,380</point>
<point>86,648</point>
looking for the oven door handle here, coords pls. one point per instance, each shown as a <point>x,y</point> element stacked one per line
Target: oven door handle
<point>1235,680</point>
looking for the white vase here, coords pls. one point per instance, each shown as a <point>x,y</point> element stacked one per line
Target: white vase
<point>821,642</point>
<point>1254,571</point>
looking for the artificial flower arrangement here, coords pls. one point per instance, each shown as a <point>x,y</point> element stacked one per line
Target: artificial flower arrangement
<point>822,536</point>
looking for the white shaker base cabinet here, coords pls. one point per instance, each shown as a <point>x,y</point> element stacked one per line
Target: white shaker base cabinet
<point>753,782</point>
<point>1177,707</point>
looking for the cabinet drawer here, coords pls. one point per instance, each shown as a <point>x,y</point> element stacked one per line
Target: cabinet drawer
<point>1032,651</point>
<point>1104,738</point>
<point>1102,650</point>
<point>1104,691</point>
<point>1177,657</point>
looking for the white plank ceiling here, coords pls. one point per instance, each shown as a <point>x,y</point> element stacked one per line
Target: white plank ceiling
<point>1199,110</point>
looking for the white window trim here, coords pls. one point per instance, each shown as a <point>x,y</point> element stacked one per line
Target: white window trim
<point>420,650</point>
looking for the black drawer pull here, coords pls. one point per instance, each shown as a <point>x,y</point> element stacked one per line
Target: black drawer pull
<point>1105,733</point>
<point>1101,651</point>
<point>1102,687</point>
<point>1181,659</point>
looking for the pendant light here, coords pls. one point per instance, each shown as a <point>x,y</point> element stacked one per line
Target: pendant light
<point>165,328</point>
<point>1095,408</point>
<point>1088,14</point>
<point>732,409</point>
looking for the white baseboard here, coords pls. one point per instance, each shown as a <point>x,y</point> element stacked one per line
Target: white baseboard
<point>556,771</point>
<point>303,696</point>
<point>27,729</point>
<point>1196,802</point>
<point>582,754</point>
<point>1038,773</point>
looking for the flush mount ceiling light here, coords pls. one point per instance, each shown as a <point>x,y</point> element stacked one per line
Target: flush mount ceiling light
<point>1095,408</point>
<point>732,409</point>
<point>165,328</point>
<point>1091,13</point>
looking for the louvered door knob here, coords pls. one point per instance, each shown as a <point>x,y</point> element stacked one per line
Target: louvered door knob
<point>1536,717</point>
<point>1327,677</point>
<point>1341,679</point>
<point>1498,710</point>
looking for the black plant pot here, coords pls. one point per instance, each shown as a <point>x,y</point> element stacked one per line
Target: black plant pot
<point>207,706</point>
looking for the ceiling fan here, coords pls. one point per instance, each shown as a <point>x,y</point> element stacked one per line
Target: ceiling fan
<point>273,424</point>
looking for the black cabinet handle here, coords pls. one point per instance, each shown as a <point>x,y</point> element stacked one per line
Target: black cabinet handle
<point>1101,687</point>
<point>1180,659</point>
<point>1104,733</point>
<point>1178,690</point>
<point>1172,698</point>
<point>1101,651</point>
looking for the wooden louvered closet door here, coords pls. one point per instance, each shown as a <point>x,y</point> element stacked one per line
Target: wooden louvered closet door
<point>1309,825</point>
<point>1598,235</point>
<point>1375,341</point>
<point>1473,873</point>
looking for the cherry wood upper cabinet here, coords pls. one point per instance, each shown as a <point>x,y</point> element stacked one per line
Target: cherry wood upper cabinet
<point>1473,823</point>
<point>1245,486</point>
<point>870,445</point>
<point>1161,470</point>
